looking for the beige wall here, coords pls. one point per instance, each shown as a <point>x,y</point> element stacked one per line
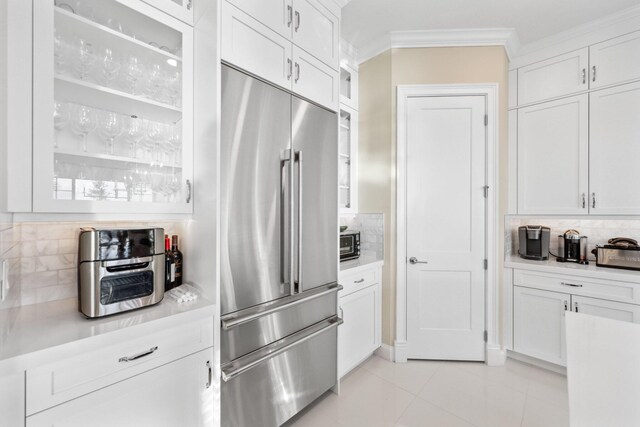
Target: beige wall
<point>379,78</point>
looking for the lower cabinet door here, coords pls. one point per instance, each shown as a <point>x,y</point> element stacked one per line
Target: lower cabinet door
<point>359,335</point>
<point>609,309</point>
<point>176,394</point>
<point>538,323</point>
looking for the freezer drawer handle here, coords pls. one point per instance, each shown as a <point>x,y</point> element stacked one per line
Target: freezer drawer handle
<point>139,355</point>
<point>233,320</point>
<point>232,370</point>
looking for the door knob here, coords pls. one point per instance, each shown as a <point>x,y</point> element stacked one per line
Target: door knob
<point>414,260</point>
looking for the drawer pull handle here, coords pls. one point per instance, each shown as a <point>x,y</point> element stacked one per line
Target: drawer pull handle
<point>358,281</point>
<point>209,375</point>
<point>571,284</point>
<point>138,356</point>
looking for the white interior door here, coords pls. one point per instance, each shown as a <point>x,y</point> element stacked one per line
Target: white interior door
<point>446,146</point>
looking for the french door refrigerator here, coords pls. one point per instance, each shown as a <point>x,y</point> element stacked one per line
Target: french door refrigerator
<point>279,246</point>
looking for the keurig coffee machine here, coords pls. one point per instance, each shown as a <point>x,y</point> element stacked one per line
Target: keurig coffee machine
<point>572,247</point>
<point>534,242</point>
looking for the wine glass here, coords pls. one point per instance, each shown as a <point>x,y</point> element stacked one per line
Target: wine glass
<point>174,142</point>
<point>133,71</point>
<point>174,87</point>
<point>156,133</point>
<point>60,118</point>
<point>59,52</point>
<point>85,58</point>
<point>110,67</point>
<point>155,81</point>
<point>83,122</point>
<point>111,127</point>
<point>136,130</point>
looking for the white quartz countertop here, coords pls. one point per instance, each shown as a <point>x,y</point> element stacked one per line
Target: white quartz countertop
<point>590,270</point>
<point>366,259</point>
<point>42,330</point>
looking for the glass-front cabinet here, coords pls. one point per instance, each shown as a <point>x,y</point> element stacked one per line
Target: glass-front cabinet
<point>348,161</point>
<point>112,111</point>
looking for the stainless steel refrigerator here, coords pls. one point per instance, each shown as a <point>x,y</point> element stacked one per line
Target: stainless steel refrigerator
<point>279,246</point>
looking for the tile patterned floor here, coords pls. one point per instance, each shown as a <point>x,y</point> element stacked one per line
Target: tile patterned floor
<point>442,394</point>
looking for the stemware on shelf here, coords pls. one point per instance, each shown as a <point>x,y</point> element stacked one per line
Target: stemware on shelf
<point>156,134</point>
<point>174,143</point>
<point>174,87</point>
<point>111,127</point>
<point>60,52</point>
<point>60,118</point>
<point>84,59</point>
<point>133,71</point>
<point>155,81</point>
<point>83,121</point>
<point>136,131</point>
<point>110,67</point>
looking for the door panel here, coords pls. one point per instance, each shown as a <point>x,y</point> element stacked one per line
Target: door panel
<point>316,30</point>
<point>538,323</point>
<point>615,61</point>
<point>254,47</point>
<point>315,136</point>
<point>314,80</point>
<point>275,14</point>
<point>614,150</point>
<point>553,155</point>
<point>446,227</point>
<point>603,308</point>
<point>255,132</point>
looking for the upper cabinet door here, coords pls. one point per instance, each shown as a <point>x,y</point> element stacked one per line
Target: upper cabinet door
<point>314,80</point>
<point>181,9</point>
<point>558,76</point>
<point>112,125</point>
<point>254,47</point>
<point>615,61</point>
<point>317,30</point>
<point>275,14</point>
<point>553,144</point>
<point>614,150</point>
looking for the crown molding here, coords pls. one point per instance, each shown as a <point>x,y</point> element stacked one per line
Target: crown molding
<point>505,37</point>
<point>610,26</point>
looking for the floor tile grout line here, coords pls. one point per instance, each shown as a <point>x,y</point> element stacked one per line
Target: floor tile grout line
<point>447,411</point>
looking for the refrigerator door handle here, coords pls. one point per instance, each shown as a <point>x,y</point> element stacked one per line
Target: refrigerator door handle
<point>285,194</point>
<point>251,360</point>
<point>251,314</point>
<point>298,282</point>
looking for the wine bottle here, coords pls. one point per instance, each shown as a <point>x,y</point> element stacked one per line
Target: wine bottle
<point>170,265</point>
<point>177,255</point>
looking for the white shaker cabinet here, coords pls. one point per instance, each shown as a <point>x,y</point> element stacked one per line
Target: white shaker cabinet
<point>112,111</point>
<point>170,395</point>
<point>314,80</point>
<point>603,308</point>
<point>275,14</point>
<point>254,47</point>
<point>615,61</point>
<point>538,323</point>
<point>317,31</point>
<point>558,76</point>
<point>360,307</point>
<point>553,155</point>
<point>614,150</point>
<point>181,9</point>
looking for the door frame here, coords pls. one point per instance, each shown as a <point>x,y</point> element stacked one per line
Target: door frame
<point>494,355</point>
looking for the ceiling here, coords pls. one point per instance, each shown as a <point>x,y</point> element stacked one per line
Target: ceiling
<point>366,21</point>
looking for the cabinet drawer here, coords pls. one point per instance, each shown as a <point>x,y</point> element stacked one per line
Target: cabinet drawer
<point>597,288</point>
<point>354,281</point>
<point>58,382</point>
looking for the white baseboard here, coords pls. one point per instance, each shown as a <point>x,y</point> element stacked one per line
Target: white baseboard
<point>400,353</point>
<point>496,356</point>
<point>537,362</point>
<point>386,352</point>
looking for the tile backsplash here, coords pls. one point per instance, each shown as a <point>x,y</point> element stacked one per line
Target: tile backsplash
<point>46,257</point>
<point>371,228</point>
<point>598,231</point>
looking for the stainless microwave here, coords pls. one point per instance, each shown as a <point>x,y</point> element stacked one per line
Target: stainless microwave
<point>349,245</point>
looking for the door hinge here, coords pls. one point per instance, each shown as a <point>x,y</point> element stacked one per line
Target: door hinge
<point>486,191</point>
<point>486,120</point>
<point>486,264</point>
<point>486,336</point>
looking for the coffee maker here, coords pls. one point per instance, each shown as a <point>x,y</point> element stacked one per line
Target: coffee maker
<point>534,242</point>
<point>572,247</point>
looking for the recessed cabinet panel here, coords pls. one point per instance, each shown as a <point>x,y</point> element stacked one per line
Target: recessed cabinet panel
<point>316,30</point>
<point>275,14</point>
<point>314,80</point>
<point>254,47</point>
<point>615,61</point>
<point>538,323</point>
<point>558,76</point>
<point>553,144</point>
<point>112,131</point>
<point>609,309</point>
<point>614,150</point>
